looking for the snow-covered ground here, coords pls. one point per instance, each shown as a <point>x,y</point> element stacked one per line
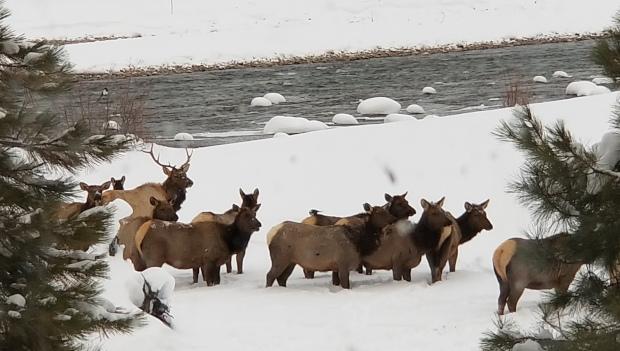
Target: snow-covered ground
<point>336,171</point>
<point>210,32</point>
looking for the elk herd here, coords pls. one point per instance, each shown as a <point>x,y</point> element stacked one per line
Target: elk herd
<point>378,238</point>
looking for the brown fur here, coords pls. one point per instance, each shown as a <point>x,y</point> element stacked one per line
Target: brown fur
<point>521,264</point>
<point>67,211</point>
<point>205,245</point>
<point>470,223</point>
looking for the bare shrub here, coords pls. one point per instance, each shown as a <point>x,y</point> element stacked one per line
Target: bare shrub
<point>516,93</point>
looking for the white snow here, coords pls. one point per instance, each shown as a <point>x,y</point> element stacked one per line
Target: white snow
<point>585,88</point>
<point>378,106</point>
<point>10,47</point>
<point>429,90</point>
<point>344,119</point>
<point>275,98</point>
<point>561,74</point>
<point>608,153</point>
<point>337,170</point>
<point>415,109</point>
<point>527,345</point>
<point>160,281</point>
<point>17,300</point>
<point>183,137</point>
<point>32,57</point>
<point>540,79</point>
<point>14,314</point>
<point>603,80</point>
<point>292,125</point>
<point>398,117</point>
<point>280,135</point>
<point>111,125</point>
<point>261,102</point>
<point>198,31</point>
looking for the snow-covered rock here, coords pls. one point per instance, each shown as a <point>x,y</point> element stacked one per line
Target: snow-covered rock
<point>345,119</point>
<point>527,345</point>
<point>2,113</point>
<point>540,79</point>
<point>10,47</point>
<point>607,151</point>
<point>585,88</point>
<point>280,135</point>
<point>17,300</point>
<point>260,102</point>
<point>111,125</point>
<point>183,137</point>
<point>603,80</point>
<point>561,74</point>
<point>414,108</point>
<point>398,117</point>
<point>288,124</point>
<point>160,281</point>
<point>32,57</point>
<point>378,106</point>
<point>275,98</point>
<point>429,90</point>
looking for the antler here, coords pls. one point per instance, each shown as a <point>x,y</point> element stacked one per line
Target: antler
<point>156,159</point>
<point>189,157</point>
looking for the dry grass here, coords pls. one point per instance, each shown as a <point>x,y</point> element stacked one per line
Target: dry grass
<point>516,93</point>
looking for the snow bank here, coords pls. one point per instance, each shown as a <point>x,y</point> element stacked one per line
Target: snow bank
<point>539,79</point>
<point>398,117</point>
<point>344,119</point>
<point>528,345</point>
<point>585,88</point>
<point>293,125</point>
<point>415,109</point>
<point>183,137</point>
<point>275,98</point>
<point>429,90</point>
<point>378,106</point>
<point>260,102</point>
<point>561,74</point>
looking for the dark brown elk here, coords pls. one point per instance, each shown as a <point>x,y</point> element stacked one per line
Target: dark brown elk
<point>118,184</point>
<point>129,226</point>
<point>94,198</point>
<point>247,201</point>
<point>204,245</point>
<point>172,190</point>
<point>521,264</point>
<point>472,222</point>
<point>336,248</point>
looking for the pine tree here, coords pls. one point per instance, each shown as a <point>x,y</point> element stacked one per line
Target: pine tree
<point>49,289</point>
<point>573,188</point>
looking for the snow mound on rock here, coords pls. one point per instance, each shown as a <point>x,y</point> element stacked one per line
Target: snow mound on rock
<point>585,88</point>
<point>540,79</point>
<point>398,117</point>
<point>414,108</point>
<point>111,125</point>
<point>286,124</point>
<point>561,74</point>
<point>603,80</point>
<point>275,98</point>
<point>429,90</point>
<point>378,106</point>
<point>344,119</point>
<point>183,137</point>
<point>260,102</point>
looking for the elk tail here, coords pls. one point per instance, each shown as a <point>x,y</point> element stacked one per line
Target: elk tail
<point>501,258</point>
<point>314,212</point>
<point>141,234</point>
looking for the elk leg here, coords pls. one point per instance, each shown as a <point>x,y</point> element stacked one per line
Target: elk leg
<point>430,257</point>
<point>113,248</point>
<point>284,276</point>
<point>335,278</point>
<point>407,274</point>
<point>360,269</point>
<point>513,297</point>
<point>368,270</point>
<point>229,264</point>
<point>504,291</point>
<point>210,268</point>
<point>195,272</point>
<point>397,273</point>
<point>452,260</point>
<point>343,275</point>
<point>273,273</point>
<point>308,274</point>
<point>240,256</point>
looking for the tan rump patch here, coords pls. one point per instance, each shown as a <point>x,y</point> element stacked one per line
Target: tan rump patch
<point>140,234</point>
<point>502,256</point>
<point>273,232</point>
<point>309,220</point>
<point>204,217</point>
<point>343,221</point>
<point>445,234</point>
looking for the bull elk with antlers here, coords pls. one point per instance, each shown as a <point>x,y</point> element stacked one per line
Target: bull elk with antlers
<point>172,190</point>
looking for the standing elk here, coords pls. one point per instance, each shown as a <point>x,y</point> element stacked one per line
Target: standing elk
<point>172,190</point>
<point>521,264</point>
<point>204,245</point>
<point>247,201</point>
<point>70,210</point>
<point>472,222</point>
<point>336,248</point>
<point>118,184</point>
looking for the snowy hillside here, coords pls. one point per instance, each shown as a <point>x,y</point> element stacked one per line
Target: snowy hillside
<point>337,171</point>
<point>209,32</point>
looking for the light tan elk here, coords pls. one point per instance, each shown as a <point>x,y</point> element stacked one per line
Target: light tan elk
<point>521,264</point>
<point>69,210</point>
<point>204,245</point>
<point>336,248</point>
<point>247,201</point>
<point>172,190</point>
<point>472,222</point>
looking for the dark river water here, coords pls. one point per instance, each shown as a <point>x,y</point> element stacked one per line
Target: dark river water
<point>215,106</point>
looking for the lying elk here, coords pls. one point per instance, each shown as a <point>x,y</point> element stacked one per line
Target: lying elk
<point>247,201</point>
<point>521,264</point>
<point>129,226</point>
<point>335,248</point>
<point>397,205</point>
<point>204,245</point>
<point>172,190</point>
<point>472,222</point>
<point>94,198</point>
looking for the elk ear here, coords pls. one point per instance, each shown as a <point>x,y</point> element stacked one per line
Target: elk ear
<point>405,194</point>
<point>105,185</point>
<point>255,193</point>
<point>154,201</point>
<point>255,209</point>
<point>83,186</point>
<point>424,204</point>
<point>388,197</point>
<point>440,202</point>
<point>367,207</point>
<point>235,207</point>
<point>122,180</point>
<point>241,192</point>
<point>468,207</point>
<point>485,204</point>
<point>166,171</point>
<point>184,168</point>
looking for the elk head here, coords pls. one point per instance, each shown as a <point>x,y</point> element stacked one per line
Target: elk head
<point>249,200</point>
<point>163,210</point>
<point>94,193</point>
<point>118,184</point>
<point>246,219</point>
<point>434,216</point>
<point>177,176</point>
<point>478,216</point>
<point>379,216</point>
<point>399,206</point>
